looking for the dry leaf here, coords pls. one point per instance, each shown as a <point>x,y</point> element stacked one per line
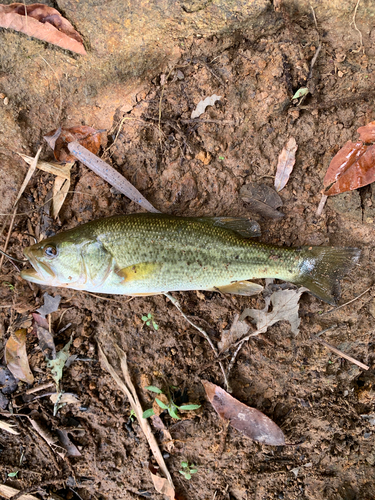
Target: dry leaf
<point>42,22</point>
<point>202,105</point>
<point>45,337</point>
<point>71,449</point>
<point>41,428</point>
<point>7,381</point>
<point>16,357</point>
<point>287,159</point>
<point>59,139</point>
<point>57,365</point>
<point>284,308</point>
<point>60,192</point>
<point>367,133</point>
<point>251,422</point>
<point>9,492</point>
<point>352,168</point>
<point>51,305</point>
<point>262,200</point>
<point>161,484</point>
<point>7,427</point>
<point>238,330</point>
<point>52,168</point>
<point>66,398</point>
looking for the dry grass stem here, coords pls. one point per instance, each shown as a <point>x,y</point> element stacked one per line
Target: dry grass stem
<point>341,354</point>
<point>347,303</point>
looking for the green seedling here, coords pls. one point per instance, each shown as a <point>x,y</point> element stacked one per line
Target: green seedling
<point>13,474</point>
<point>9,285</point>
<point>188,470</point>
<point>132,415</point>
<point>171,406</point>
<point>221,158</point>
<point>149,319</point>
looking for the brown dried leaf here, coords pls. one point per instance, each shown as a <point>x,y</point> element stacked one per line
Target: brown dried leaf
<point>51,168</point>
<point>45,337</point>
<point>251,422</point>
<point>161,484</point>
<point>59,139</point>
<point>285,164</point>
<point>238,330</point>
<point>9,492</point>
<point>60,191</point>
<point>352,168</point>
<point>262,200</point>
<point>16,357</point>
<point>66,443</point>
<point>42,22</point>
<point>367,133</point>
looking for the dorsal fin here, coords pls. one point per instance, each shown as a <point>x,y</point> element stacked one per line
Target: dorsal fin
<point>242,225</point>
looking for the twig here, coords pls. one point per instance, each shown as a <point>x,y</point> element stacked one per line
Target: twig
<point>130,391</point>
<point>204,333</point>
<point>36,487</point>
<point>8,238</point>
<point>347,303</point>
<point>321,205</point>
<point>355,26</point>
<point>218,122</point>
<point>340,353</point>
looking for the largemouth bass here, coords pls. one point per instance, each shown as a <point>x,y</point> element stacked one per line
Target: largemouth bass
<point>145,254</point>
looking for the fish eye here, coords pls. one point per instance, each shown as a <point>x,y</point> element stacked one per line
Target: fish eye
<point>50,251</point>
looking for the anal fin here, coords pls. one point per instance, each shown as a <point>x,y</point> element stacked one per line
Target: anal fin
<point>247,288</point>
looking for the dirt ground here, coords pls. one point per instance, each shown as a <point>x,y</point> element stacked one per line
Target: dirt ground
<point>323,403</point>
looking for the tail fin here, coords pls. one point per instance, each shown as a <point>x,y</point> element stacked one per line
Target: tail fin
<point>323,267</point>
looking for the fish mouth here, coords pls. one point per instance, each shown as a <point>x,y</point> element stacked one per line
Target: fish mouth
<point>41,273</point>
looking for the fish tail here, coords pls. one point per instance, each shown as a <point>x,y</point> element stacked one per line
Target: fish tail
<point>322,268</point>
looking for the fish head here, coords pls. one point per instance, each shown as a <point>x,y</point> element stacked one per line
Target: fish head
<point>56,261</point>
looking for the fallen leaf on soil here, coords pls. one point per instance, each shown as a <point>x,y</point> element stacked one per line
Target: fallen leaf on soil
<point>29,174</point>
<point>51,305</point>
<point>51,168</point>
<point>66,398</point>
<point>41,428</point>
<point>287,159</point>
<point>301,92</point>
<point>202,105</point>
<point>166,438</point>
<point>9,492</point>
<point>285,305</point>
<point>57,365</point>
<point>71,449</point>
<point>7,427</point>
<point>367,133</point>
<point>238,330</point>
<point>161,484</point>
<point>109,174</point>
<point>8,383</point>
<point>45,337</point>
<point>16,357</point>
<point>59,139</point>
<point>352,168</point>
<point>251,422</point>
<point>42,22</point>
<point>262,200</point>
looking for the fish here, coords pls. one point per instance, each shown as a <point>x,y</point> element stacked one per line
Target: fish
<point>148,254</point>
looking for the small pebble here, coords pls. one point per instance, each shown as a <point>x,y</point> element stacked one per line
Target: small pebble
<point>77,342</point>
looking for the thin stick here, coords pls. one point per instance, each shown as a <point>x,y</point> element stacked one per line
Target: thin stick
<point>130,391</point>
<point>8,238</point>
<point>29,174</point>
<point>205,335</point>
<point>347,303</point>
<point>355,26</point>
<point>341,354</point>
<point>321,205</point>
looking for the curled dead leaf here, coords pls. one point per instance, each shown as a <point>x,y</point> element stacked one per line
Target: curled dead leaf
<point>16,357</point>
<point>42,22</point>
<point>251,422</point>
<point>262,199</point>
<point>161,484</point>
<point>59,139</point>
<point>285,164</point>
<point>367,133</point>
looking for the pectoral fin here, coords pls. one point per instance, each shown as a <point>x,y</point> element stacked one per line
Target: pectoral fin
<point>245,227</point>
<point>138,272</point>
<point>240,288</point>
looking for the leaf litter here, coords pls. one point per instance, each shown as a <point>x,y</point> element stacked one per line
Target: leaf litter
<point>51,305</point>
<point>262,199</point>
<point>202,105</point>
<point>16,356</point>
<point>42,22</point>
<point>249,421</point>
<point>285,306</point>
<point>285,164</point>
<point>45,337</point>
<point>58,140</point>
<point>7,427</point>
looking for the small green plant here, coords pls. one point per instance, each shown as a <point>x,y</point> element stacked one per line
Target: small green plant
<point>149,319</point>
<point>132,415</point>
<point>221,158</point>
<point>9,285</point>
<point>188,470</point>
<point>13,474</point>
<point>170,406</point>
